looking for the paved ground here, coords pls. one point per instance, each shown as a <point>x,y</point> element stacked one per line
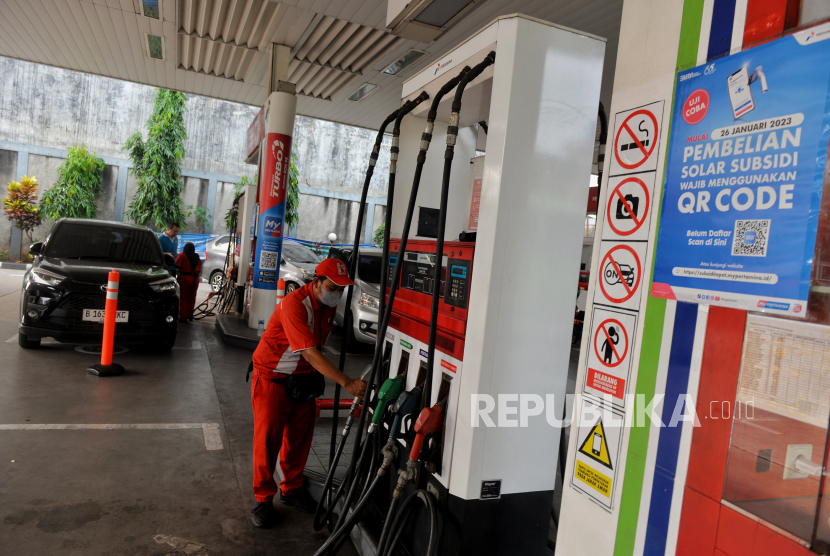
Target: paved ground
<point>130,491</point>
<point>139,490</point>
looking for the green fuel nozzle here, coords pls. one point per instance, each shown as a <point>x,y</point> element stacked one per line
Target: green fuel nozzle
<point>388,393</point>
<point>407,404</point>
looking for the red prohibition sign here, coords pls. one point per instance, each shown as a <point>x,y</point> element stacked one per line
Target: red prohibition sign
<point>605,334</point>
<point>646,153</point>
<point>628,289</point>
<point>617,193</point>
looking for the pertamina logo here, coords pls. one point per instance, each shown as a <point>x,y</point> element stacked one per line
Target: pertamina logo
<point>439,66</point>
<point>273,226</point>
<point>773,305</point>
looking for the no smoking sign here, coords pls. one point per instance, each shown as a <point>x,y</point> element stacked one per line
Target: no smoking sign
<point>628,210</point>
<point>620,274</point>
<point>636,136</point>
<point>610,354</point>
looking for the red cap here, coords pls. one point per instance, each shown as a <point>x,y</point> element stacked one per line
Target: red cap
<point>335,271</point>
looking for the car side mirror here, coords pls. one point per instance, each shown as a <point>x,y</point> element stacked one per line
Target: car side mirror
<point>35,248</point>
<point>169,260</point>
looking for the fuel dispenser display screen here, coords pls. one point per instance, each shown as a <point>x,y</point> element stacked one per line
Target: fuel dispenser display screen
<point>418,273</point>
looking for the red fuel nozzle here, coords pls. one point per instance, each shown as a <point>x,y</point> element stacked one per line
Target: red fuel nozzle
<point>429,420</point>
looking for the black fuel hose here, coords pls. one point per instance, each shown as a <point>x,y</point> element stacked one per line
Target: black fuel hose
<point>353,474</point>
<point>336,451</point>
<point>452,133</point>
<point>396,529</point>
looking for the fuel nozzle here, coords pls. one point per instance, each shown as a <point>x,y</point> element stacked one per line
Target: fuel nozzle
<point>388,393</point>
<point>429,421</point>
<point>407,404</point>
<point>355,405</point>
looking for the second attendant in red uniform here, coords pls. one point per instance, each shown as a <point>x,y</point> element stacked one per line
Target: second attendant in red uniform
<point>292,341</point>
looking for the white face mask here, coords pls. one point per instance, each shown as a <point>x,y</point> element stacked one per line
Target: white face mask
<point>328,298</point>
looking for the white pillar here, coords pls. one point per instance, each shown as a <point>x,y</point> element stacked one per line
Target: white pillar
<point>272,195</point>
<point>281,108</point>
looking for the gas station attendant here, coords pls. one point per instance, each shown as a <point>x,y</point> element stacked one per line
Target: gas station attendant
<point>287,369</point>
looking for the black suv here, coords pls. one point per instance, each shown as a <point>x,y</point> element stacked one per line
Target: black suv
<point>64,293</point>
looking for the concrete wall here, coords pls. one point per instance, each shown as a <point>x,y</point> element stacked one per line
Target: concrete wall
<point>8,170</point>
<point>43,106</point>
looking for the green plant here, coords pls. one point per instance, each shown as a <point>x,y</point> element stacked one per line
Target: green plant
<point>202,214</point>
<point>79,181</point>
<point>156,163</point>
<point>377,237</point>
<point>237,189</point>
<point>20,205</point>
<point>292,205</point>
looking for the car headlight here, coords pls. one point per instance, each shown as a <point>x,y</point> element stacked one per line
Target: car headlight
<point>369,300</point>
<point>45,277</point>
<point>166,285</point>
<point>307,275</point>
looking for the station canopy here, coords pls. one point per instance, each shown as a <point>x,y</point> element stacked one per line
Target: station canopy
<point>220,48</point>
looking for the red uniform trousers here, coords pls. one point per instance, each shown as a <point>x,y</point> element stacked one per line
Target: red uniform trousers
<point>284,428</point>
<point>188,286</point>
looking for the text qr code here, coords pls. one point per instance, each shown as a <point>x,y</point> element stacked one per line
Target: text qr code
<point>751,238</point>
<point>268,260</point>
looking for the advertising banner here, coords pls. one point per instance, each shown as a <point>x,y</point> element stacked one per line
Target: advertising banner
<point>272,198</point>
<point>744,177</point>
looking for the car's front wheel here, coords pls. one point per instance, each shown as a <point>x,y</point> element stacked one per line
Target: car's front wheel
<point>290,287</point>
<point>216,280</point>
<point>26,342</point>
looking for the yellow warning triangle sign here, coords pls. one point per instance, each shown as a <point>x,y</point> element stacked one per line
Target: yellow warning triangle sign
<point>595,445</point>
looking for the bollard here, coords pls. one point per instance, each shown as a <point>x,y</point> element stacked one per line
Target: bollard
<point>280,290</point>
<point>106,367</point>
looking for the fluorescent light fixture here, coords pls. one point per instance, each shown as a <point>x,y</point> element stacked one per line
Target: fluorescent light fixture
<point>151,8</point>
<point>403,62</point>
<point>155,46</point>
<point>364,90</point>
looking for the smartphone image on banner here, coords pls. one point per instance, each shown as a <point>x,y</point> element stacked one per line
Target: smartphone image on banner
<point>596,448</point>
<point>739,93</point>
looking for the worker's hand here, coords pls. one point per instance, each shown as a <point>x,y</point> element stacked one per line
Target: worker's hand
<point>355,387</point>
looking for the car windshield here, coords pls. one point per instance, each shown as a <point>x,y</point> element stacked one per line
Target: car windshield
<point>296,253</point>
<point>368,268</point>
<point>103,243</point>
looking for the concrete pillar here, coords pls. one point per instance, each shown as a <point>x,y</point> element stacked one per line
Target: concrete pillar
<point>210,204</point>
<point>370,221</point>
<point>17,233</point>
<point>275,157</point>
<point>121,191</point>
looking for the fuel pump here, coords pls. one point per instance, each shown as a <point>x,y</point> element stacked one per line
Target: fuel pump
<point>464,313</point>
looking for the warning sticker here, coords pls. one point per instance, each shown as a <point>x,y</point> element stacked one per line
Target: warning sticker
<point>620,274</point>
<point>628,212</point>
<point>598,449</point>
<point>610,354</point>
<point>595,446</point>
<point>636,136</point>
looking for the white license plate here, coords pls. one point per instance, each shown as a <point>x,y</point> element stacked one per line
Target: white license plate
<point>97,315</point>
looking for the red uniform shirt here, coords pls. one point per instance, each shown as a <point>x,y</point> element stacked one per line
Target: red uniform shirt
<point>298,323</point>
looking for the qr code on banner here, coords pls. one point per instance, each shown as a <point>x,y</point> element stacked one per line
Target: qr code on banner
<point>268,260</point>
<point>751,238</point>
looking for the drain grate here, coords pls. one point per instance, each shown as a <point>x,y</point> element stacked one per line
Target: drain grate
<point>97,349</point>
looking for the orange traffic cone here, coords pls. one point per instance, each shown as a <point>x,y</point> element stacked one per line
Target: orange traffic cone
<point>280,290</point>
<point>107,367</point>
